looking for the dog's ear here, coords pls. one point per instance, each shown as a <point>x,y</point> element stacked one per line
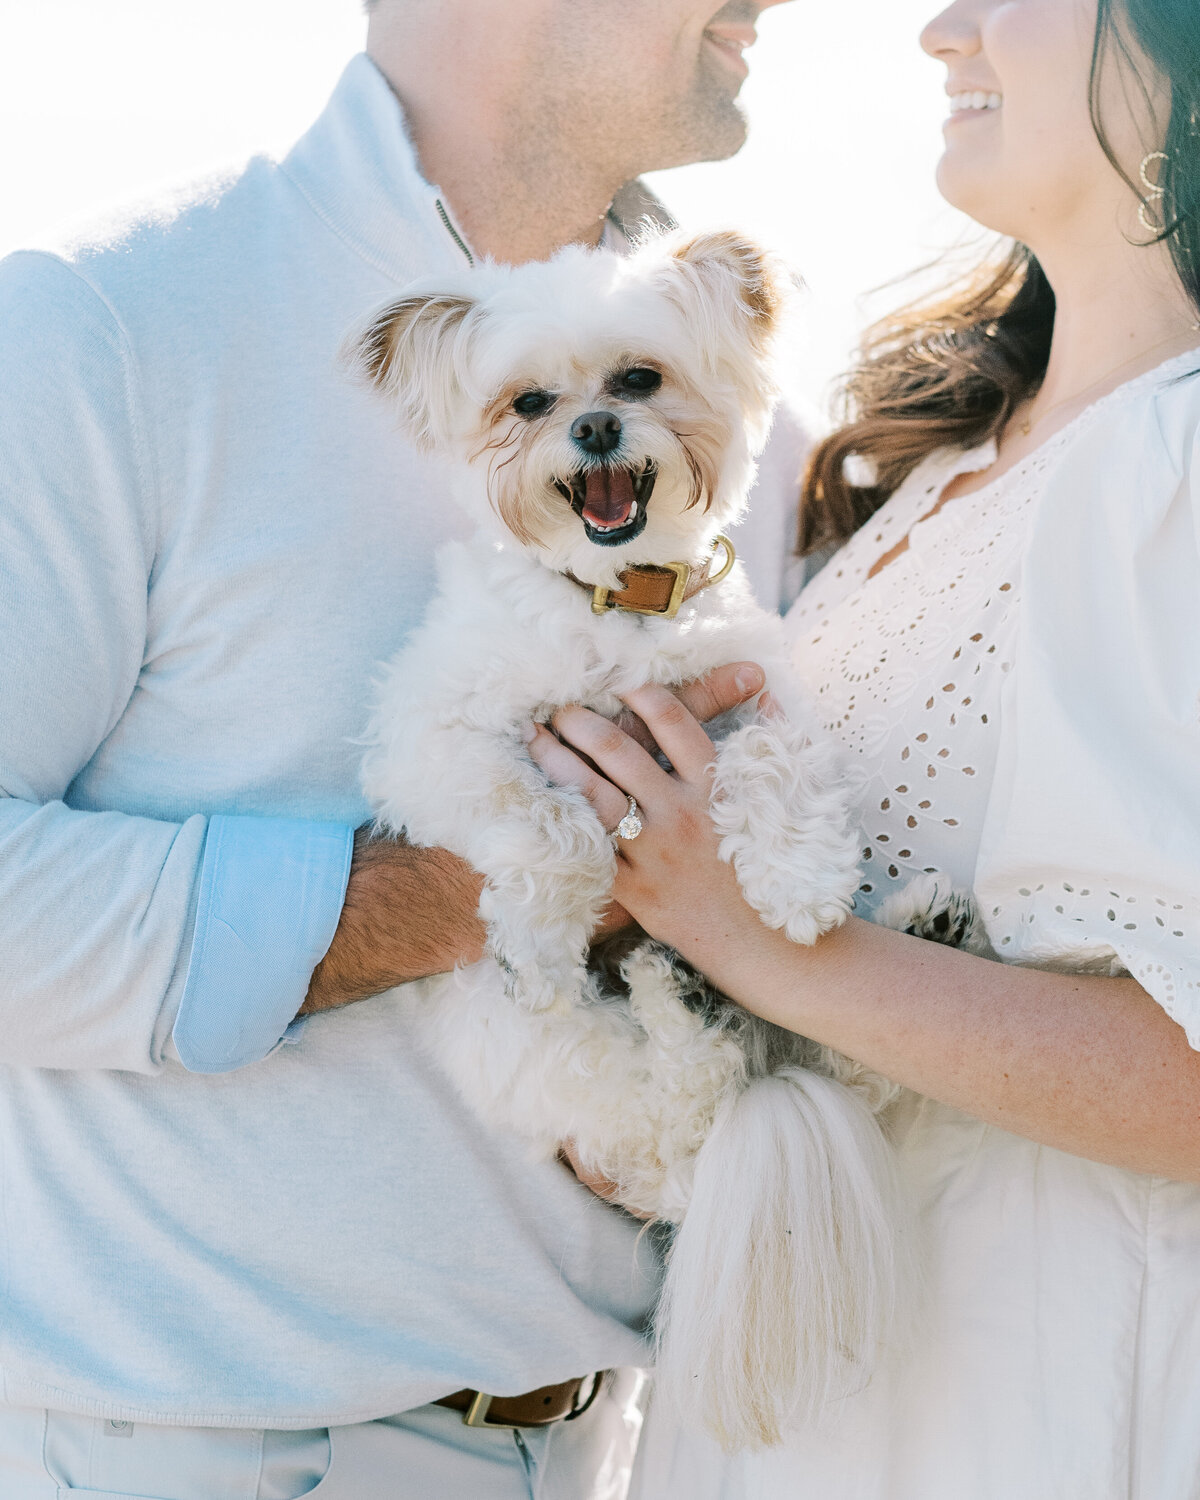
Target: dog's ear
<point>736,277</point>
<point>415,350</point>
<point>731,294</point>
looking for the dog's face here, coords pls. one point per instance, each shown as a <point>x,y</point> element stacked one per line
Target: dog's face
<point>608,407</point>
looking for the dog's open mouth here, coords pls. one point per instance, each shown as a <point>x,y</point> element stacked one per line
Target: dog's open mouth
<point>611,503</point>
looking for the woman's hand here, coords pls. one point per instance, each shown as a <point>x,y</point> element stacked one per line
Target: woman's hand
<point>670,878</point>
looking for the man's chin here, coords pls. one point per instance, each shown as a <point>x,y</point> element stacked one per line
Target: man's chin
<point>713,127</point>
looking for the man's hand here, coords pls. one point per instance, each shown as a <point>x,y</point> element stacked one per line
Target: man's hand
<point>601,1186</point>
<point>408,913</point>
<point>412,912</point>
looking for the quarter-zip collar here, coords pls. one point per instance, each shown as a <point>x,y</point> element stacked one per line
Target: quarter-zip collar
<point>358,170</point>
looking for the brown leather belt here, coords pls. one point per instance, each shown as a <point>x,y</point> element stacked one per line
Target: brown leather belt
<point>549,1403</point>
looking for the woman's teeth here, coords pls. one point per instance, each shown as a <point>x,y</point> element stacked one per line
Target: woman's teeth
<point>977,100</point>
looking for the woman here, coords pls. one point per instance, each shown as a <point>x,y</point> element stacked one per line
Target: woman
<point>1010,642</point>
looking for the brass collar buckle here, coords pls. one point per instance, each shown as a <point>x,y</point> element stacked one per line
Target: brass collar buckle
<point>605,599</point>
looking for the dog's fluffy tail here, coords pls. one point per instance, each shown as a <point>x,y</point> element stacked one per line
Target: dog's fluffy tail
<point>783,1279</point>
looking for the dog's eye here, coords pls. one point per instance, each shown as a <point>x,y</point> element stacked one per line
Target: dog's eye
<point>640,381</point>
<point>533,403</point>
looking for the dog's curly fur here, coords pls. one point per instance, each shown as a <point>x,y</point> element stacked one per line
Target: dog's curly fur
<point>764,1148</point>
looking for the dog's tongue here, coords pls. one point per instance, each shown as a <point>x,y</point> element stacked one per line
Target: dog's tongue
<point>608,498</point>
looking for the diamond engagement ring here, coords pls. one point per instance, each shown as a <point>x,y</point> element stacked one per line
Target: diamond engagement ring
<point>631,824</point>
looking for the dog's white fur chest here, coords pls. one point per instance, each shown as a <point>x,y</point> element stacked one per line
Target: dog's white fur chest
<point>607,414</point>
<point>505,643</point>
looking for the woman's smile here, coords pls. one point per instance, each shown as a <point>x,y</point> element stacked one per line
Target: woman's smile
<point>972,105</point>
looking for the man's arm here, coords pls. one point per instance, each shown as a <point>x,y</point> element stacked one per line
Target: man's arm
<point>116,929</point>
<point>408,913</point>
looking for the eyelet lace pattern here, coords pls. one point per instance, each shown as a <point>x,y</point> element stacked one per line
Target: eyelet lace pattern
<point>907,669</point>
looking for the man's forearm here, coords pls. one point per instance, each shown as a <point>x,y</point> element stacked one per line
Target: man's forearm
<point>408,913</point>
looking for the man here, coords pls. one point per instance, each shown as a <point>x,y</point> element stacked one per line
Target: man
<point>248,1254</point>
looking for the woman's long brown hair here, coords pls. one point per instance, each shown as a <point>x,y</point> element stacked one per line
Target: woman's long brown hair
<point>949,371</point>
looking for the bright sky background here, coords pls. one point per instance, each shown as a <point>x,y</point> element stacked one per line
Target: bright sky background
<point>102,100</point>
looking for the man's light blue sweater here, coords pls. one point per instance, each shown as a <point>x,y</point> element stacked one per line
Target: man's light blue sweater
<point>208,540</point>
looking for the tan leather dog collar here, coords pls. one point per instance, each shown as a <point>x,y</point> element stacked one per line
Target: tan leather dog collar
<point>648,590</point>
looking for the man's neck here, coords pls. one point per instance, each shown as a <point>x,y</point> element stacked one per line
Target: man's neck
<point>517,193</point>
<point>511,215</point>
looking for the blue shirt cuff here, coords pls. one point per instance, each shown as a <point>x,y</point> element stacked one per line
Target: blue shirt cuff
<point>271,894</point>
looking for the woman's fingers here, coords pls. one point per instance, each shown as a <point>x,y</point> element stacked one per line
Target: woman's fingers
<point>721,689</point>
<point>623,753</point>
<point>563,767</point>
<point>675,731</point>
<point>614,754</point>
<point>704,698</point>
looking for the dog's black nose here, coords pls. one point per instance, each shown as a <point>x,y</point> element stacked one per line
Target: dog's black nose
<point>597,431</point>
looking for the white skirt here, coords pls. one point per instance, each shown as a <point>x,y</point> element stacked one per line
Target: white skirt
<point>1056,1355</point>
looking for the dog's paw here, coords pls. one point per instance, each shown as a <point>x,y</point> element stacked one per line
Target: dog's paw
<point>781,809</point>
<point>929,907</point>
<point>548,871</point>
<point>538,986</point>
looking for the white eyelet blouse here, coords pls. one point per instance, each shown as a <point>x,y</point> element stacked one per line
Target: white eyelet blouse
<point>1022,691</point>
<point>911,670</point>
<point>906,667</point>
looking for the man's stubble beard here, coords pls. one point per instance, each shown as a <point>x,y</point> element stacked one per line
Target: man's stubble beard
<point>703,122</point>
<point>706,124</point>
<point>713,123</point>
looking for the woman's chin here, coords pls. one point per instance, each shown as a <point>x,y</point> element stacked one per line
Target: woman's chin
<point>972,190</point>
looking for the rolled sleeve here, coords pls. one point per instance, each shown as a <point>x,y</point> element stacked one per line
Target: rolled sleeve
<point>271,893</point>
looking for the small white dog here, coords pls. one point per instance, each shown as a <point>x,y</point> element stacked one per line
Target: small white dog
<point>604,413</point>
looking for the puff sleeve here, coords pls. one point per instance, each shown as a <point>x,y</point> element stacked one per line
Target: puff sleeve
<point>1090,858</point>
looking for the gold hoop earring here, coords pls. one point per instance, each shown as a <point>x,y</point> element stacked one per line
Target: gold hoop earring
<point>1153,188</point>
<point>1154,191</point>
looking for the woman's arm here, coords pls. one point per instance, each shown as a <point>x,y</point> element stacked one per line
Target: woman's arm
<point>1086,1064</point>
